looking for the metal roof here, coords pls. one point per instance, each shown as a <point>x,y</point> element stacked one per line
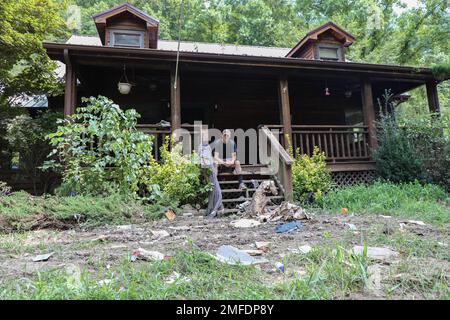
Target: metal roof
<point>200,47</point>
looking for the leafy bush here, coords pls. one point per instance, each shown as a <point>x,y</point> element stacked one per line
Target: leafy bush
<point>177,179</point>
<point>426,202</point>
<point>310,176</point>
<point>414,149</point>
<point>27,137</point>
<point>4,189</point>
<point>99,149</point>
<point>396,158</point>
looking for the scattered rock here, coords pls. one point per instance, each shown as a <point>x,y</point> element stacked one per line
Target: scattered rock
<point>43,257</point>
<point>302,249</point>
<point>253,252</point>
<point>180,228</point>
<point>351,226</point>
<point>375,252</point>
<point>262,245</point>
<point>124,227</point>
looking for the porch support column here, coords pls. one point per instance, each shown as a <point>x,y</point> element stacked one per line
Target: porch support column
<point>369,111</point>
<point>285,112</point>
<point>433,98</point>
<point>70,90</point>
<point>175,103</point>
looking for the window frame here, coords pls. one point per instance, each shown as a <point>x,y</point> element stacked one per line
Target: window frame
<point>329,46</point>
<point>112,38</point>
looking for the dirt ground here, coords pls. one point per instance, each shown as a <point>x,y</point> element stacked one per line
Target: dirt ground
<point>114,243</point>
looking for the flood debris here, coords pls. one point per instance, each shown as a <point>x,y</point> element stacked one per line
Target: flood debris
<point>288,227</point>
<point>170,215</point>
<point>416,222</point>
<point>254,252</point>
<point>146,255</point>
<point>285,211</point>
<point>262,245</point>
<point>159,234</point>
<point>43,257</point>
<point>279,266</point>
<point>245,223</point>
<point>232,255</point>
<point>302,249</point>
<point>376,253</point>
<point>351,226</point>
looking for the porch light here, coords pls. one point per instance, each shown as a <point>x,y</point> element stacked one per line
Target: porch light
<point>348,93</point>
<point>327,92</point>
<point>124,87</point>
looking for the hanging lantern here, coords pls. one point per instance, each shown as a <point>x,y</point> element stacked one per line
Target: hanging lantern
<point>124,87</point>
<point>327,92</point>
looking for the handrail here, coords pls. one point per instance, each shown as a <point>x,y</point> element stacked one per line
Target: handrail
<point>284,174</point>
<point>278,147</point>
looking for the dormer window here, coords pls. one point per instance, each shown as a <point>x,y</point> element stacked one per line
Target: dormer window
<point>330,53</point>
<point>126,38</point>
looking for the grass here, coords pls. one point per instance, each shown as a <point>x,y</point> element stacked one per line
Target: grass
<point>429,203</point>
<point>329,274</point>
<point>21,211</point>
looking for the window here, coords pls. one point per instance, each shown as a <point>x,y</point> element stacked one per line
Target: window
<point>329,53</point>
<point>127,38</point>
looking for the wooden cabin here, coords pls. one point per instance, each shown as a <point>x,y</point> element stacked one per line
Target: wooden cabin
<point>310,92</point>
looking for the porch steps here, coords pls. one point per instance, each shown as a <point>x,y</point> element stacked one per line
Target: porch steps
<point>232,196</point>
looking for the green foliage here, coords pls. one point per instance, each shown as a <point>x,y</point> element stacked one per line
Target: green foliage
<point>414,149</point>
<point>177,179</point>
<point>4,189</point>
<point>99,149</point>
<point>310,175</point>
<point>424,202</point>
<point>24,66</point>
<point>441,71</point>
<point>27,137</point>
<point>6,113</point>
<point>21,212</point>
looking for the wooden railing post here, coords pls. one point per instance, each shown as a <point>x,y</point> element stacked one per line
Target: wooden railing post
<point>433,98</point>
<point>70,89</point>
<point>285,112</point>
<point>369,111</point>
<point>175,103</point>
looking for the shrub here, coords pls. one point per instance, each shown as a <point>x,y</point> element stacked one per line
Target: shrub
<point>310,176</point>
<point>27,137</point>
<point>414,149</point>
<point>177,179</point>
<point>98,149</point>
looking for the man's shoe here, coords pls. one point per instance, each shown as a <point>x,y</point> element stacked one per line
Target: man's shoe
<point>213,214</point>
<point>242,186</point>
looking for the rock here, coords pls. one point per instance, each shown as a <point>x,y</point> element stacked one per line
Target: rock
<point>180,228</point>
<point>253,252</point>
<point>124,227</point>
<point>187,214</point>
<point>376,253</point>
<point>245,223</point>
<point>351,226</point>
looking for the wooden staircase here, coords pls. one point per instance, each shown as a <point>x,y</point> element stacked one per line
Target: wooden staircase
<point>232,196</point>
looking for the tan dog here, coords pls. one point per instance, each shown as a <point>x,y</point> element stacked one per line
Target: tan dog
<point>259,200</point>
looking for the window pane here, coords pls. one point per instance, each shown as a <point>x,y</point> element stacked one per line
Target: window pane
<point>126,39</point>
<point>328,53</point>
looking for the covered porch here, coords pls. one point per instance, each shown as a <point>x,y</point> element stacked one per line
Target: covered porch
<point>331,105</point>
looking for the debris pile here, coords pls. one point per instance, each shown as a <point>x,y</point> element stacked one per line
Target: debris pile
<point>286,211</point>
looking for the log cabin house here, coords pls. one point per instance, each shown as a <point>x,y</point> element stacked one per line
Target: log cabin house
<point>310,92</point>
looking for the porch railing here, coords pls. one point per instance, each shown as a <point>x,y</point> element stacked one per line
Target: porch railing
<point>339,143</point>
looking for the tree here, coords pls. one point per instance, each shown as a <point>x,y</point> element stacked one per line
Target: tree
<point>24,66</point>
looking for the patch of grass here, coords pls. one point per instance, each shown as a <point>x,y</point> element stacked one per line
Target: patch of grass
<point>329,274</point>
<point>20,211</point>
<point>425,202</point>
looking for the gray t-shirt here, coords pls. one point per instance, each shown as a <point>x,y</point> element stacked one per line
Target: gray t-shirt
<point>224,149</point>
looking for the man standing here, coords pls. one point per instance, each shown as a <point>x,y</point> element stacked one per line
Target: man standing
<point>225,156</point>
